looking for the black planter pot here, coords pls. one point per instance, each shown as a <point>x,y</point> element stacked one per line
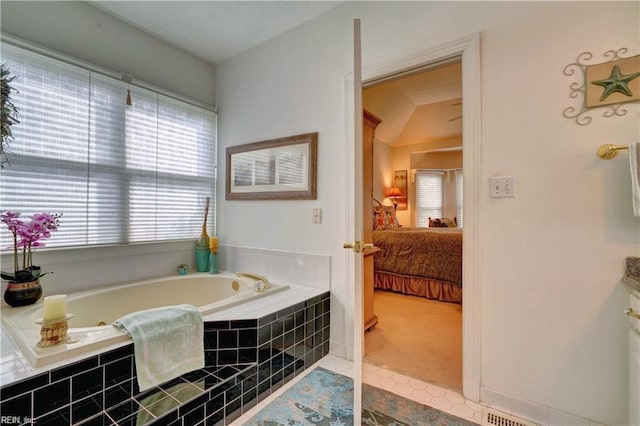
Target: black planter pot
<point>22,294</point>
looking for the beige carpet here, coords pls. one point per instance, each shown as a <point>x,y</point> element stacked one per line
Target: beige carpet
<point>419,337</point>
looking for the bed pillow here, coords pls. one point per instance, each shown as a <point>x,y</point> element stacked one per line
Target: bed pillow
<point>445,222</point>
<point>451,223</point>
<point>384,217</point>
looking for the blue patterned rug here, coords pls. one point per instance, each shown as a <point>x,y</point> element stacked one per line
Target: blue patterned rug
<point>326,398</point>
<point>321,398</point>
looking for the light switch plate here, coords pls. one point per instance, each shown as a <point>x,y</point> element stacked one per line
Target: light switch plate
<point>317,215</point>
<point>503,187</point>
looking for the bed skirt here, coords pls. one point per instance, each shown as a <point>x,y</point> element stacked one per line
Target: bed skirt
<point>425,287</point>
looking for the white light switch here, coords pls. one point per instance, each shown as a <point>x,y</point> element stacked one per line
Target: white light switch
<point>317,215</point>
<point>502,187</point>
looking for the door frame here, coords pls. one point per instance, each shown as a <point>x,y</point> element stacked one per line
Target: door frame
<point>469,49</point>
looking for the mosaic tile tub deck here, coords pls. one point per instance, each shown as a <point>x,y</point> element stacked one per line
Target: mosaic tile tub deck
<point>245,360</point>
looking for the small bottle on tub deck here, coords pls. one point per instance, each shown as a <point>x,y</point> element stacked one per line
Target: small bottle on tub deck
<point>183,269</point>
<point>213,255</point>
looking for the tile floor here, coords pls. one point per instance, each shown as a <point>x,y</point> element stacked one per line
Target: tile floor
<point>416,390</point>
<point>444,399</point>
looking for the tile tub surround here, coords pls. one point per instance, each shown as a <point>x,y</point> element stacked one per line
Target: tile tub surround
<point>14,366</point>
<point>314,270</point>
<point>632,273</point>
<point>245,359</point>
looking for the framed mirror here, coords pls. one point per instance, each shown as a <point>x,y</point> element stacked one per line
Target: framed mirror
<point>275,169</point>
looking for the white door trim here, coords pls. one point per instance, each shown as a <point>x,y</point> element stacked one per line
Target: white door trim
<point>472,236</point>
<point>357,219</point>
<point>469,48</point>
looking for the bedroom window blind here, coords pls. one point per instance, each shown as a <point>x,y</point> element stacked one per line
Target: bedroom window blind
<point>459,198</point>
<point>428,196</point>
<point>119,174</point>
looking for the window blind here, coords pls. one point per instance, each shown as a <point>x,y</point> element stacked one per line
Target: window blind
<point>428,196</point>
<point>459,198</point>
<point>119,174</point>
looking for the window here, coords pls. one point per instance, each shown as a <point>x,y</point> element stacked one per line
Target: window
<point>428,196</point>
<point>459,197</point>
<point>119,174</point>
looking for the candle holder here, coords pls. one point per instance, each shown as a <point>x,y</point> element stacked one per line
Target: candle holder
<point>53,332</point>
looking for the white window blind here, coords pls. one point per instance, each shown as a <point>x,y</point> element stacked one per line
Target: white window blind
<point>459,198</point>
<point>428,196</point>
<point>119,174</point>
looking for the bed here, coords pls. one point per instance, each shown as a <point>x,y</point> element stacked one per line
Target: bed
<point>420,261</point>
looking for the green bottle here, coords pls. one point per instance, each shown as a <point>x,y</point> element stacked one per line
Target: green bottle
<point>202,244</point>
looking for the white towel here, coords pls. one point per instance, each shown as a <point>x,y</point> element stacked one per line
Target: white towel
<point>167,342</point>
<point>634,162</point>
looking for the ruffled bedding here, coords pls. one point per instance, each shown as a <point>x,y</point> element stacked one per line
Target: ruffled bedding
<point>420,261</point>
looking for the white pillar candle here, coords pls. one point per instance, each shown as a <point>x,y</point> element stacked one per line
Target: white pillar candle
<point>55,307</point>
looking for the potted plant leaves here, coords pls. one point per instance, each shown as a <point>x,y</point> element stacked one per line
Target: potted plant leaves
<point>9,112</point>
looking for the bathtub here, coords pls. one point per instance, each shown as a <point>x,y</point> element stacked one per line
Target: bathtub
<point>90,329</point>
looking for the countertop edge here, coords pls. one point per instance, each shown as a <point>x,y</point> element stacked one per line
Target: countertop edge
<point>632,282</point>
<point>632,273</point>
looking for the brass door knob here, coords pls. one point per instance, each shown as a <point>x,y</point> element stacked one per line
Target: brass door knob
<point>629,312</point>
<point>358,246</point>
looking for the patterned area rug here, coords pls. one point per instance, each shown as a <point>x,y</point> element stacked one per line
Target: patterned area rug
<point>321,398</point>
<point>326,398</point>
<point>380,407</point>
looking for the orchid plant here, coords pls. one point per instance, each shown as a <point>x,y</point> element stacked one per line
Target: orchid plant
<point>27,237</point>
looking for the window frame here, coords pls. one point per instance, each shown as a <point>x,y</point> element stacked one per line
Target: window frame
<point>428,172</point>
<point>119,171</point>
<point>459,182</point>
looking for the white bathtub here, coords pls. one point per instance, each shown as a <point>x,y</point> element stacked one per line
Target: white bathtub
<point>209,293</point>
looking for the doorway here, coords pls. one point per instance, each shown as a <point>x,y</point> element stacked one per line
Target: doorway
<point>417,144</point>
<point>469,49</point>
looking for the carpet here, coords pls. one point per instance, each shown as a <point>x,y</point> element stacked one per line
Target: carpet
<point>321,398</point>
<point>380,407</point>
<point>418,337</point>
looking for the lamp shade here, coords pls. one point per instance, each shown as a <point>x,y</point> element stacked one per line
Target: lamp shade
<point>394,192</point>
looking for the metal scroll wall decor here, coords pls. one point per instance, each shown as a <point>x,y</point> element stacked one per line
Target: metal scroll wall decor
<point>606,85</point>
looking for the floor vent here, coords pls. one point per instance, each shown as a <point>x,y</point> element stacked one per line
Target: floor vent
<point>496,418</point>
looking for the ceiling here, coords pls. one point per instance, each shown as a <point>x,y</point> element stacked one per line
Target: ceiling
<point>215,30</point>
<point>420,108</point>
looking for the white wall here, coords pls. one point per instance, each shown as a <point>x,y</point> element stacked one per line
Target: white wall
<point>553,337</point>
<point>283,88</point>
<point>80,30</point>
<point>382,170</point>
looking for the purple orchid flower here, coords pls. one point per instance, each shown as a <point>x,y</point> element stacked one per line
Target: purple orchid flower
<point>28,237</point>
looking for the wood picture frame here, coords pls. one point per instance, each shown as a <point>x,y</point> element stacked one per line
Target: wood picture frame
<point>400,181</point>
<point>275,169</point>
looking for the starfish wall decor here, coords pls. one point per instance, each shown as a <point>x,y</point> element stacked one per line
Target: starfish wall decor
<point>617,82</point>
<point>607,84</point>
